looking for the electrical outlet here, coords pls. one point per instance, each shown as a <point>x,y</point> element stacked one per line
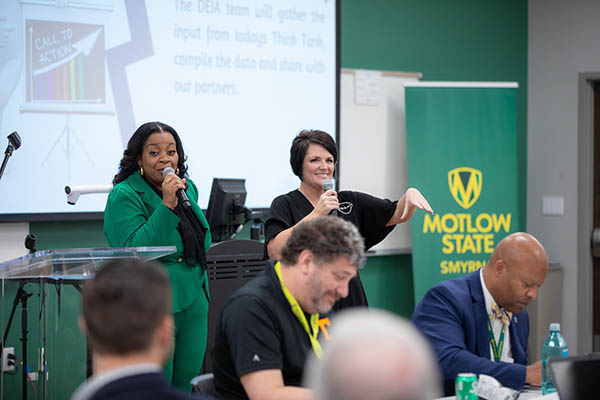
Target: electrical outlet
<point>8,363</point>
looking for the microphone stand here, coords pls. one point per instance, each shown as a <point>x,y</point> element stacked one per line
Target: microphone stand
<point>22,296</point>
<point>14,142</point>
<point>7,154</point>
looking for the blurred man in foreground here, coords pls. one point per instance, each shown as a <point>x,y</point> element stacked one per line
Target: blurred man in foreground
<point>128,323</point>
<point>374,355</point>
<point>478,323</point>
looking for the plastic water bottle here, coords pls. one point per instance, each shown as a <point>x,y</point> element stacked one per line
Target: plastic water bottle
<point>554,346</point>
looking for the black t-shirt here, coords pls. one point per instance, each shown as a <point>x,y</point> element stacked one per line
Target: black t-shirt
<point>368,213</point>
<point>258,331</point>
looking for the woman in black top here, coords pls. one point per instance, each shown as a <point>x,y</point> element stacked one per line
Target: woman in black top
<point>313,156</point>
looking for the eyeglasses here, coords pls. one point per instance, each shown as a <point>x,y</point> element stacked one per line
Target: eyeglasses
<point>354,258</point>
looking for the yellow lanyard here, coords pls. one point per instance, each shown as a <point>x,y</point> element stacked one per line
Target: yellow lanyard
<point>497,349</point>
<point>297,311</point>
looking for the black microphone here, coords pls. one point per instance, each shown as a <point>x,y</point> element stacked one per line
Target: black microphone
<point>181,194</point>
<point>14,142</point>
<point>327,184</point>
<point>30,243</point>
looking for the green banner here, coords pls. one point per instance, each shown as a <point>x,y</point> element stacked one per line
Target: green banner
<point>462,155</point>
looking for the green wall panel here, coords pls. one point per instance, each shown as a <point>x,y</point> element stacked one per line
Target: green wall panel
<point>68,235</point>
<point>64,346</point>
<point>388,282</point>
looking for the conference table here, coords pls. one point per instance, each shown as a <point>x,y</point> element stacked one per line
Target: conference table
<point>526,394</point>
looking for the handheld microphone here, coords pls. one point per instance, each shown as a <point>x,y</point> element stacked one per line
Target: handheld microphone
<point>327,184</point>
<point>181,195</point>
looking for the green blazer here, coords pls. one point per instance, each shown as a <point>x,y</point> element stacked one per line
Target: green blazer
<point>136,216</point>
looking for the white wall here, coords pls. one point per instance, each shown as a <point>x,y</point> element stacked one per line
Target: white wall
<point>564,40</point>
<point>12,240</point>
<point>384,124</point>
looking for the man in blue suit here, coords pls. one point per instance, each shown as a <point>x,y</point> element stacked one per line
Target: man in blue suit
<point>478,323</point>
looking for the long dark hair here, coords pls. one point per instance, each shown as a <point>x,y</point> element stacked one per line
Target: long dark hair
<point>300,145</point>
<point>128,164</point>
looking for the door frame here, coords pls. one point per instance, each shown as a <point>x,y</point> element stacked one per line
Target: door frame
<point>585,210</point>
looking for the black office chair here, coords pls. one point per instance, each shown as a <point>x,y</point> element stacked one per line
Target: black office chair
<point>204,385</point>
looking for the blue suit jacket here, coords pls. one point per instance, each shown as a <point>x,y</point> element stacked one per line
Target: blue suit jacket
<point>140,387</point>
<point>452,316</point>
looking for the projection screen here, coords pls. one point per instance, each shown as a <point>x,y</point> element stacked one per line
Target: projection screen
<point>237,80</point>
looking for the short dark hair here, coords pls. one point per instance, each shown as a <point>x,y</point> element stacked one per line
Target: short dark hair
<point>328,238</point>
<point>124,305</point>
<point>128,164</point>
<point>300,146</point>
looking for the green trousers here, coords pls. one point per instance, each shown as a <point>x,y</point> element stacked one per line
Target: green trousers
<point>190,343</point>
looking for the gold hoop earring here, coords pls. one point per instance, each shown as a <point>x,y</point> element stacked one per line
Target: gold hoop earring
<point>177,171</point>
<point>142,171</point>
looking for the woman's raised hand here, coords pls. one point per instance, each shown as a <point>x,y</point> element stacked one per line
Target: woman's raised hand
<point>413,199</point>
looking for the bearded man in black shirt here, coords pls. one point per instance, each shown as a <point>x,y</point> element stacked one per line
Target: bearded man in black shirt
<point>269,326</point>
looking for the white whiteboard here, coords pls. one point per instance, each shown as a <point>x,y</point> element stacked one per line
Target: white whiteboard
<point>373,146</point>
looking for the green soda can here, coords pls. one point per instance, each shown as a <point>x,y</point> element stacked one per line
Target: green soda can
<point>465,386</point>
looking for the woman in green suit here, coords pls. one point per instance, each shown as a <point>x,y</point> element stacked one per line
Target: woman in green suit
<point>143,210</point>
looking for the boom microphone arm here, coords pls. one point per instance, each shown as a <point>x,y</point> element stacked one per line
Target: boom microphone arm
<point>73,192</point>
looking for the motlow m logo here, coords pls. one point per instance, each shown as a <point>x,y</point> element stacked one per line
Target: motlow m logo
<point>465,185</point>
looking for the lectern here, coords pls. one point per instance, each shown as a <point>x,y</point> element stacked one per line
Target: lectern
<point>57,268</point>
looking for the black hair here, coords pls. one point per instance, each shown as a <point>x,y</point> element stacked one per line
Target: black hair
<point>300,146</point>
<point>132,153</point>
